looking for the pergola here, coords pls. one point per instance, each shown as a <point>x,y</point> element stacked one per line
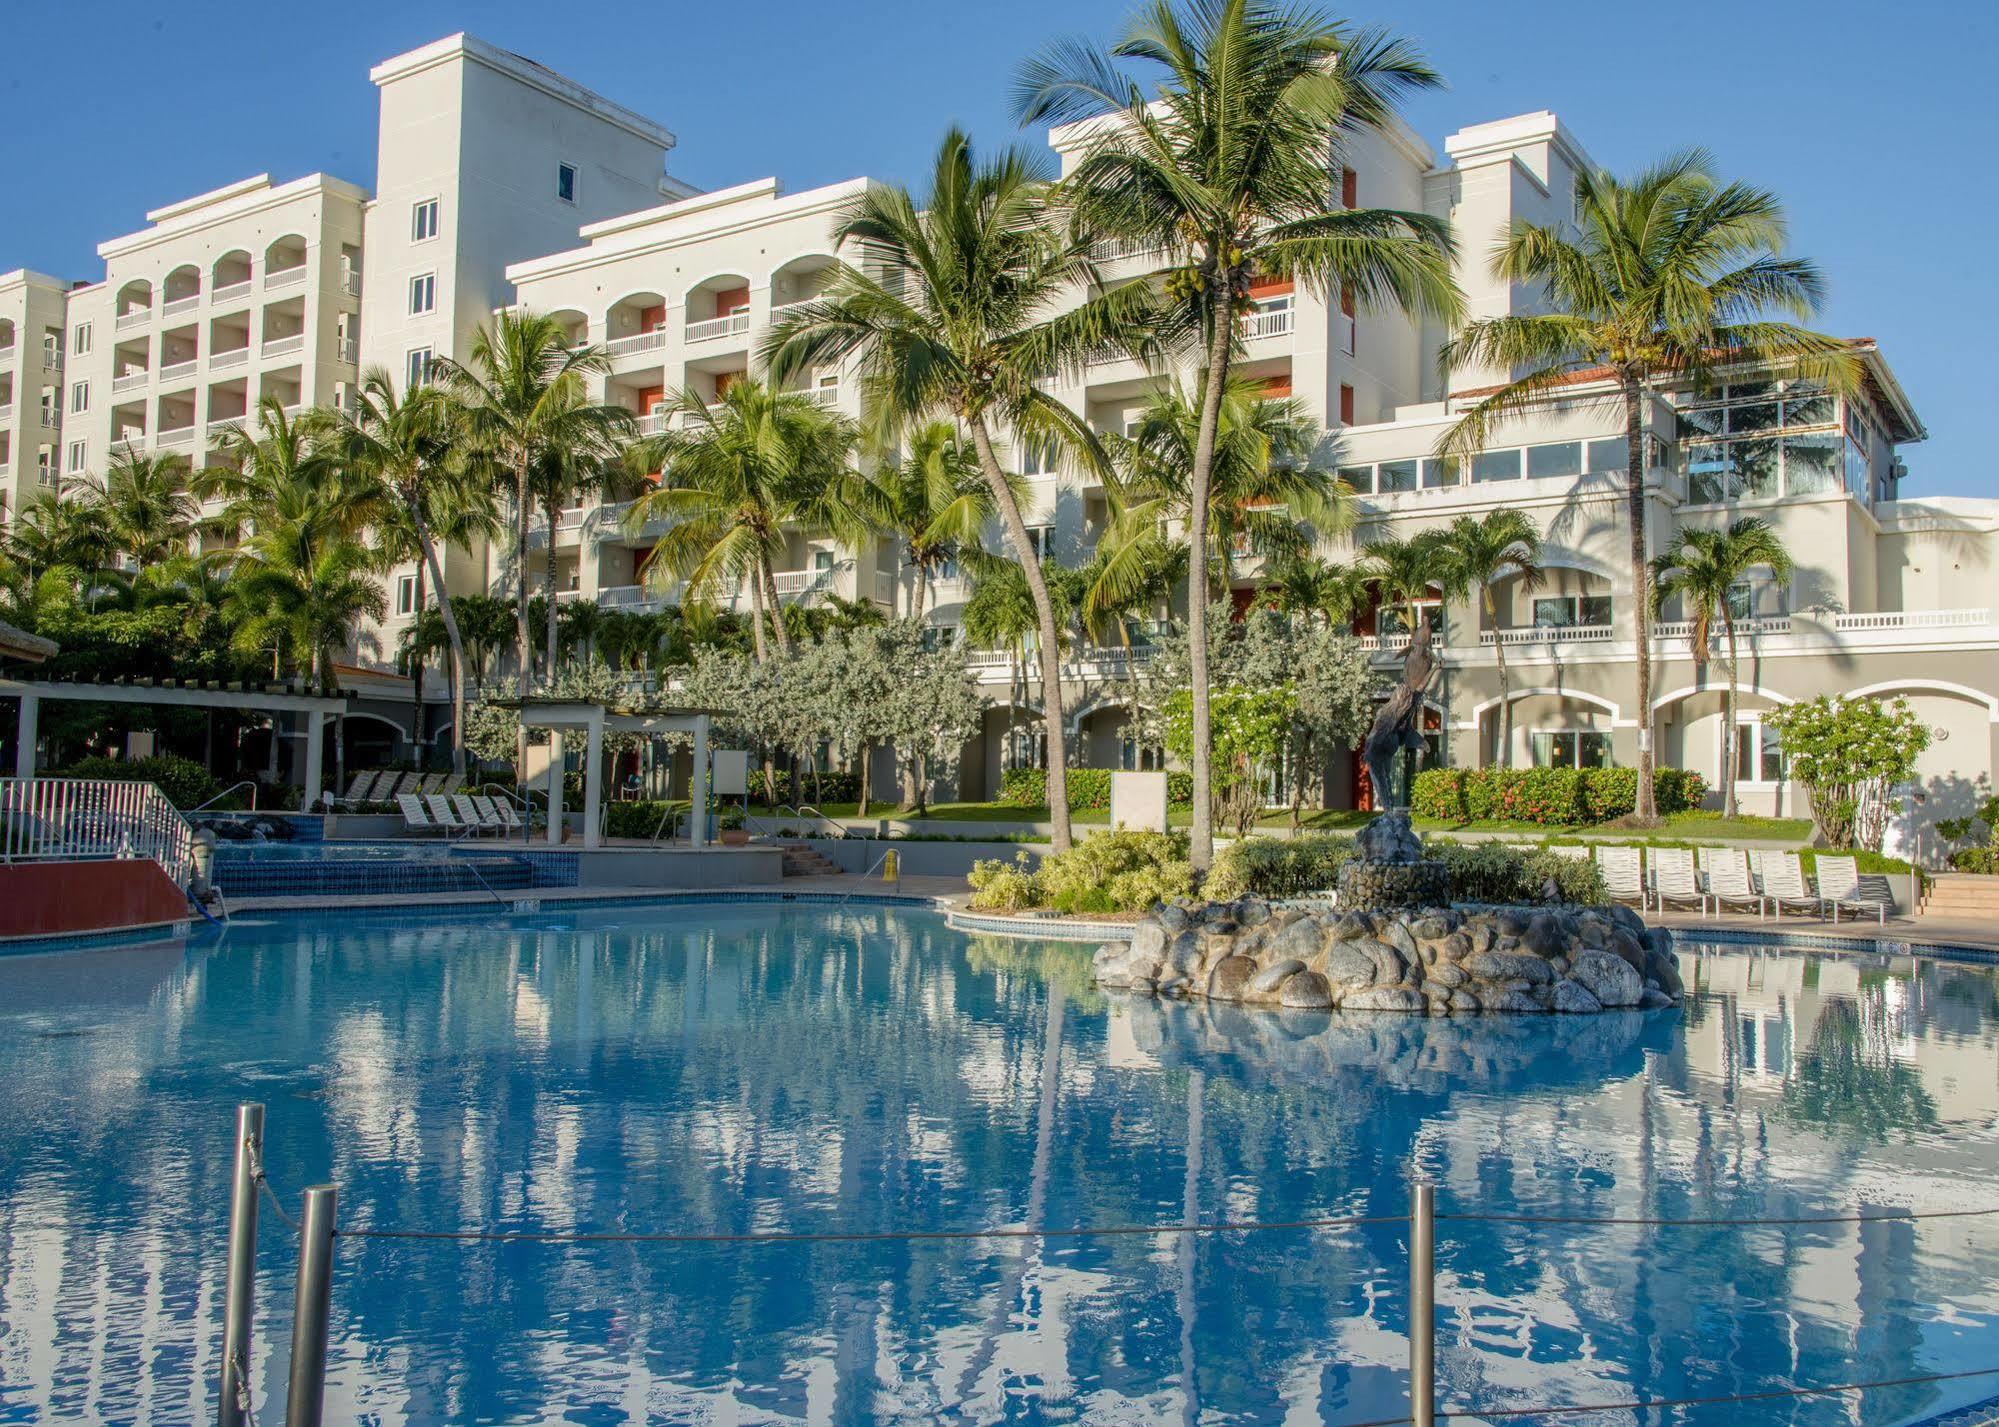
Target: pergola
<point>314,708</point>
<point>561,716</point>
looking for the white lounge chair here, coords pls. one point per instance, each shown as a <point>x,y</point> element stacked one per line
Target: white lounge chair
<point>1783,883</point>
<point>468,814</point>
<point>416,818</point>
<point>509,819</point>
<point>452,783</point>
<point>394,785</point>
<point>488,813</point>
<point>1623,874</point>
<point>1842,886</point>
<point>1674,878</point>
<point>1573,850</point>
<point>358,786</point>
<point>432,783</point>
<point>443,814</point>
<point>1728,879</point>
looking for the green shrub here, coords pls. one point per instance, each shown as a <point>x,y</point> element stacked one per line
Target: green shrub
<point>639,819</point>
<point>185,782</point>
<point>1004,886</point>
<point>1088,788</point>
<point>1495,872</point>
<point>1982,859</point>
<point>1549,797</point>
<point>1277,867</point>
<point>1108,872</point>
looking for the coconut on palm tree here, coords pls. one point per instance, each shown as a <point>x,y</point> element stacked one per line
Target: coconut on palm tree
<point>1479,552</point>
<point>1705,570</point>
<point>1661,282</point>
<point>1228,120</point>
<point>965,303</point>
<point>737,478</point>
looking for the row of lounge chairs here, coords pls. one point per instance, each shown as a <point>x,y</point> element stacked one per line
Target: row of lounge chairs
<point>1723,877</point>
<point>458,814</point>
<point>386,785</point>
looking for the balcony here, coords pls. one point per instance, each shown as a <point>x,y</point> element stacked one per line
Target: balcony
<point>801,584</point>
<point>736,324</point>
<point>6,412</point>
<point>223,425</point>
<point>637,342</point>
<point>131,381</point>
<point>1115,250</point>
<point>350,282</point>
<point>284,277</point>
<point>1914,619</point>
<point>349,351</point>
<point>6,356</point>
<point>178,436</point>
<point>51,359</point>
<point>640,598</point>
<point>284,346</point>
<point>177,371</point>
<point>1546,634</point>
<point>824,395</point>
<point>180,305</point>
<point>133,317</point>
<point>654,424</point>
<point>230,293</point>
<point>233,357</point>
<point>1273,320</point>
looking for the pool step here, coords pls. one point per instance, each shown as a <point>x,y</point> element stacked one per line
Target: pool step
<point>1961,894</point>
<point>801,859</point>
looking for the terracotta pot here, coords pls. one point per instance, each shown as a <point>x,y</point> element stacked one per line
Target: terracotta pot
<point>734,837</point>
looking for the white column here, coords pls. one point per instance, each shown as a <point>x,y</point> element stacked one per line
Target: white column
<point>697,786</point>
<point>593,781</point>
<point>315,737</point>
<point>24,755</point>
<point>555,757</point>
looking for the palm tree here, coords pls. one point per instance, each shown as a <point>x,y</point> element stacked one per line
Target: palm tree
<point>526,403</point>
<point>1479,553</point>
<point>1660,281</point>
<point>487,625</point>
<point>58,528</point>
<point>1703,570</point>
<point>1306,585</point>
<point>1223,165</point>
<point>968,307</point>
<point>147,503</point>
<point>1404,571</point>
<point>935,500</point>
<point>432,492</point>
<point>1002,613</point>
<point>737,478</point>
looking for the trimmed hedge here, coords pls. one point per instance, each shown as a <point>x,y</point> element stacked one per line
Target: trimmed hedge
<point>185,782</point>
<point>1277,867</point>
<point>1551,797</point>
<point>1088,788</point>
<point>638,819</point>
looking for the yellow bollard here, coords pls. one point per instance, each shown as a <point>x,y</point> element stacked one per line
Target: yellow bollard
<point>892,867</point>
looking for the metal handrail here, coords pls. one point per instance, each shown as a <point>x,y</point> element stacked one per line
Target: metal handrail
<point>249,783</point>
<point>50,819</point>
<point>851,891</point>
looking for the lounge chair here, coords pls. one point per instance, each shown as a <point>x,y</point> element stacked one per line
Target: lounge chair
<point>1783,883</point>
<point>1728,879</point>
<point>1575,850</point>
<point>415,817</point>
<point>1674,878</point>
<point>452,783</point>
<point>394,785</point>
<point>468,814</point>
<point>358,786</point>
<point>1623,874</point>
<point>432,783</point>
<point>1842,886</point>
<point>489,815</point>
<point>509,819</point>
<point>443,814</point>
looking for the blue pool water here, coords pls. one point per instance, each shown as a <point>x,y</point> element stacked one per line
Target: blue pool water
<point>802,1068</point>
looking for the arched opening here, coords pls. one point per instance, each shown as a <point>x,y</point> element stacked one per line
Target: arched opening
<point>575,325</point>
<point>371,741</point>
<point>284,261</point>
<point>718,309</point>
<point>1106,736</point>
<point>803,279</point>
<point>1569,602</point>
<point>182,289</point>
<point>635,335</point>
<point>230,277</point>
<point>134,302</point>
<point>1551,728</point>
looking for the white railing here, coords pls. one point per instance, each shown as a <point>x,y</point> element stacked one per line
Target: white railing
<point>778,309</point>
<point>734,325</point>
<point>179,436</point>
<point>65,819</point>
<point>350,351</point>
<point>136,317</point>
<point>52,359</point>
<point>1547,634</point>
<point>793,583</point>
<point>1111,250</point>
<point>131,381</point>
<point>224,424</point>
<point>174,371</point>
<point>1914,619</point>
<point>654,424</point>
<point>1717,634</point>
<point>994,658</point>
<point>634,597</point>
<point>230,292</point>
<point>1376,642</point>
<point>350,283</point>
<point>180,305</point>
<point>284,346</point>
<point>233,357</point>
<point>7,356</point>
<point>570,518</point>
<point>6,412</point>
<point>885,588</point>
<point>824,395</point>
<point>1272,321</point>
<point>637,342</point>
<point>284,277</point>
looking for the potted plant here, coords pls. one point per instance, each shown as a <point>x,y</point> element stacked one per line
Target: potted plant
<point>731,824</point>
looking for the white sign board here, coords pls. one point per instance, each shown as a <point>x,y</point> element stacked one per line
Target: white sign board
<point>139,743</point>
<point>729,775</point>
<point>1138,801</point>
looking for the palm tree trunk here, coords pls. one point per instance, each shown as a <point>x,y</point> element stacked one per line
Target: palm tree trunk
<point>1646,809</point>
<point>452,637</point>
<point>1051,643</point>
<point>1731,769</point>
<point>757,619</point>
<point>524,643</point>
<point>416,669</point>
<point>549,667</point>
<point>1505,703</point>
<point>922,590</point>
<point>777,629</point>
<point>1201,848</point>
<point>867,767</point>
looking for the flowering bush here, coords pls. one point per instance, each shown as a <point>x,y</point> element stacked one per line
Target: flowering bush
<point>1551,797</point>
<point>1848,753</point>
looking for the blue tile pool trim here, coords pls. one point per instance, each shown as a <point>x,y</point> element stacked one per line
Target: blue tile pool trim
<point>1979,1414</point>
<point>1820,941</point>
<point>95,941</point>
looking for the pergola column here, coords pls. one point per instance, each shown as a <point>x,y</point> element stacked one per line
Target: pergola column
<point>593,781</point>
<point>315,752</point>
<point>557,752</point>
<point>697,786</point>
<point>24,752</point>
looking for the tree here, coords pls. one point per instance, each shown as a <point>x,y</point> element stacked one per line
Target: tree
<point>1223,165</point>
<point>431,492</point>
<point>737,478</point>
<point>1252,727</point>
<point>967,305</point>
<point>1662,280</point>
<point>525,406</point>
<point>59,529</point>
<point>935,500</point>
<point>147,503</point>
<point>1848,753</point>
<point>1702,570</point>
<point>1406,570</point>
<point>1478,552</point>
<point>1306,585</point>
<point>1002,613</point>
<point>925,702</point>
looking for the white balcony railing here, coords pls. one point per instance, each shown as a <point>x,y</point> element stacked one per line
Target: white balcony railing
<point>135,317</point>
<point>177,371</point>
<point>350,282</point>
<point>6,412</point>
<point>1745,629</point>
<point>794,584</point>
<point>633,597</point>
<point>734,325</point>
<point>637,342</point>
<point>6,356</point>
<point>824,395</point>
<point>1914,619</point>
<point>230,292</point>
<point>1273,320</point>
<point>131,381</point>
<point>284,346</point>
<point>233,357</point>
<point>654,424</point>
<point>1546,634</point>
<point>180,305</point>
<point>223,425</point>
<point>177,436</point>
<point>350,351</point>
<point>1112,250</point>
<point>284,277</point>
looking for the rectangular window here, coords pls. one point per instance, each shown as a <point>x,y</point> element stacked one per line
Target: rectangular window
<point>1349,188</point>
<point>1564,458</point>
<point>417,369</point>
<point>79,398</point>
<point>1607,457</point>
<point>1570,748</point>
<point>1439,473</point>
<point>1812,464</point>
<point>1361,478</point>
<point>1346,404</point>
<point>1042,538</point>
<point>565,182</point>
<point>1566,611</point>
<point>1759,757</point>
<point>79,340</point>
<point>79,457</point>
<point>1397,476</point>
<point>423,293</point>
<point>1037,458</point>
<point>45,466</point>
<point>406,595</point>
<point>1495,466</point>
<point>423,220</point>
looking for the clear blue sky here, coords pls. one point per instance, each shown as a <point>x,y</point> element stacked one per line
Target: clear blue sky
<point>1874,124</point>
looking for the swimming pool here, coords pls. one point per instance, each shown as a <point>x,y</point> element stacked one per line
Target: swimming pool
<point>400,868</point>
<point>771,1067</point>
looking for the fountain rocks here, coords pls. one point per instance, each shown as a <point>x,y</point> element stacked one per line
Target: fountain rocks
<point>1426,960</point>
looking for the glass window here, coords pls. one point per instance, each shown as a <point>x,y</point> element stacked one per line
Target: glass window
<point>1736,470</point>
<point>1438,474</point>
<point>1555,612</point>
<point>1397,476</point>
<point>406,595</point>
<point>1755,416</point>
<point>1812,464</point>
<point>1495,466</point>
<point>1742,600</point>
<point>1759,757</point>
<point>1749,391</point>
<point>1394,619</point>
<point>1563,458</point>
<point>79,397</point>
<point>1809,411</point>
<point>1607,457</point>
<point>1703,421</point>
<point>1570,748</point>
<point>1593,609</point>
<point>1361,478</point>
<point>423,293</point>
<point>417,370</point>
<point>79,457</point>
<point>423,220</point>
<point>1856,469</point>
<point>1592,750</point>
<point>79,341</point>
<point>565,182</point>
<point>1037,458</point>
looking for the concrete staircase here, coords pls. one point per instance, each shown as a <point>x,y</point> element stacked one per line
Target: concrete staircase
<point>802,859</point>
<point>1962,895</point>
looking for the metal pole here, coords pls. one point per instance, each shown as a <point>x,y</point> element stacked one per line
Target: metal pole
<point>1422,1303</point>
<point>240,1287</point>
<point>305,1401</point>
